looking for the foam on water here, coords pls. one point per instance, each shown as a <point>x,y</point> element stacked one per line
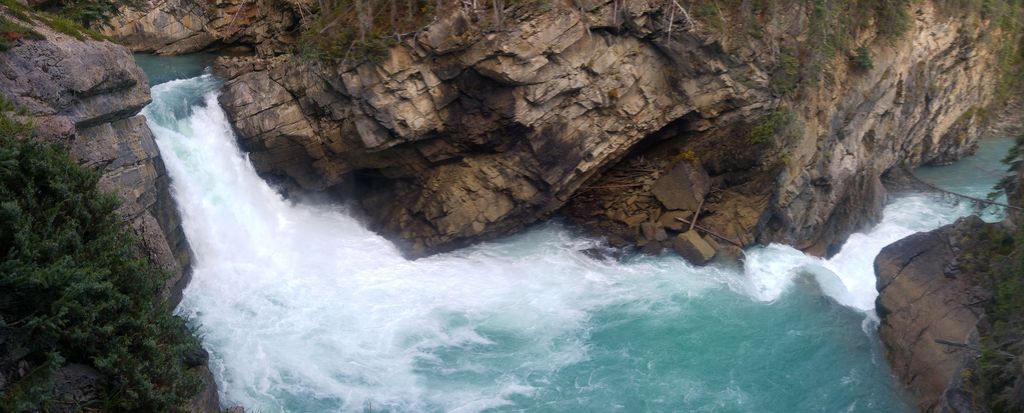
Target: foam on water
<point>305,310</point>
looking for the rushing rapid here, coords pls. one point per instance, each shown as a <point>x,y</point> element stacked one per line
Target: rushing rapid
<point>305,310</point>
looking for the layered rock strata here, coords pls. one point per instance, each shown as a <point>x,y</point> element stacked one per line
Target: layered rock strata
<point>465,132</point>
<point>172,27</point>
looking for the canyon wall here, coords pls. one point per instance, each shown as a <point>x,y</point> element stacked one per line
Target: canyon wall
<point>172,27</point>
<point>466,132</point>
<point>86,96</point>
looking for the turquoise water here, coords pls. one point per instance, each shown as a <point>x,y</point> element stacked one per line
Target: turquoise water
<point>162,69</point>
<point>305,310</point>
<point>964,176</point>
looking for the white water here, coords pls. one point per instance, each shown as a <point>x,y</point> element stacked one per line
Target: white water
<point>303,309</point>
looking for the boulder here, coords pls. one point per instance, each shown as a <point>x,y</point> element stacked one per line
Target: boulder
<point>695,249</point>
<point>683,187</point>
<point>648,230</point>
<point>634,220</point>
<point>671,220</point>
<point>76,385</point>
<point>928,306</point>
<point>660,234</point>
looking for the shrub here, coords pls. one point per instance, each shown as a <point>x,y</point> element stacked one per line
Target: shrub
<point>89,12</point>
<point>73,289</point>
<point>786,76</point>
<point>862,60</point>
<point>1001,365</point>
<point>360,30</point>
<point>1000,368</point>
<point>770,126</point>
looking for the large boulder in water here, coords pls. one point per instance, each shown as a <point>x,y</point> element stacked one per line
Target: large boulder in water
<point>692,247</point>
<point>930,308</point>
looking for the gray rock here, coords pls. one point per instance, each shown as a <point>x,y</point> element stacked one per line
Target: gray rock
<point>660,234</point>
<point>927,305</point>
<point>74,385</point>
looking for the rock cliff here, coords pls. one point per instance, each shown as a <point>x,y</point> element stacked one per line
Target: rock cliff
<point>86,95</point>
<point>465,132</point>
<point>933,297</point>
<point>171,27</point>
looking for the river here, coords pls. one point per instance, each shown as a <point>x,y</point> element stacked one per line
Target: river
<point>305,310</point>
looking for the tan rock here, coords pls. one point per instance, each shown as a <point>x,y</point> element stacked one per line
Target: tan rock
<point>540,108</point>
<point>635,220</point>
<point>671,220</point>
<point>683,187</point>
<point>693,248</point>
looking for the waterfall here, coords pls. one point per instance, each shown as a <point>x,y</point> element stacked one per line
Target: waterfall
<point>305,310</point>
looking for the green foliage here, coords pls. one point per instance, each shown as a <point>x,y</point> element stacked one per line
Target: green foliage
<point>73,288</point>
<point>68,26</point>
<point>834,23</point>
<point>687,155</point>
<point>63,20</point>
<point>18,10</point>
<point>354,31</point>
<point>14,121</point>
<point>1010,18</point>
<point>770,126</point>
<point>88,12</point>
<point>709,14</point>
<point>786,76</point>
<point>1001,366</point>
<point>862,60</point>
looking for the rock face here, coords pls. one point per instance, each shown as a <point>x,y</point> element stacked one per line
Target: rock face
<point>86,96</point>
<point>457,139</point>
<point>931,306</point>
<point>172,27</point>
<point>463,134</point>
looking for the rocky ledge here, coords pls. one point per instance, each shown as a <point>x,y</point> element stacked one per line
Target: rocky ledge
<point>86,95</point>
<point>933,294</point>
<point>465,132</point>
<point>172,27</point>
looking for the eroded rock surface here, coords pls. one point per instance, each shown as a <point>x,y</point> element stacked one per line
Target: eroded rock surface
<point>464,134</point>
<point>173,27</point>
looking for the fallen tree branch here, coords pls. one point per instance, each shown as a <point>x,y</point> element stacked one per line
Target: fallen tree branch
<point>709,232</point>
<point>696,215</point>
<point>958,345</point>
